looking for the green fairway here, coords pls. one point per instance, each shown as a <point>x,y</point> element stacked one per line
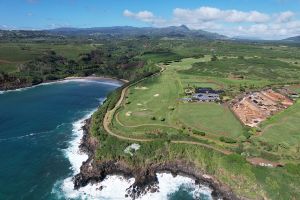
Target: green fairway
<point>211,118</point>
<point>158,106</point>
<point>154,105</point>
<point>151,98</point>
<point>187,63</point>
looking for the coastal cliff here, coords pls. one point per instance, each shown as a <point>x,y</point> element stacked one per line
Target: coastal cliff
<point>93,171</point>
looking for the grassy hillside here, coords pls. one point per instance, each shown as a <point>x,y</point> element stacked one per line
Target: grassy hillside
<point>152,114</point>
<point>246,180</point>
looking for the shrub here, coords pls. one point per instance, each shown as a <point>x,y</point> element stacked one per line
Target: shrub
<point>199,56</point>
<point>227,140</point>
<point>247,134</point>
<point>162,119</point>
<point>51,77</point>
<point>36,80</point>
<point>171,108</point>
<point>196,132</point>
<point>153,118</point>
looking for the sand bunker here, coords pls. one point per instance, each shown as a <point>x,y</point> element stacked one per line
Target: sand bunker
<point>141,88</point>
<point>128,114</point>
<point>156,95</point>
<point>139,104</point>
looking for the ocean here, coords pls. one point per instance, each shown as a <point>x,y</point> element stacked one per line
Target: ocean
<point>40,131</point>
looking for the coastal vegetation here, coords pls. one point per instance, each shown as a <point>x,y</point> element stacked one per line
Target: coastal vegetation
<point>234,170</point>
<point>149,110</point>
<point>151,100</point>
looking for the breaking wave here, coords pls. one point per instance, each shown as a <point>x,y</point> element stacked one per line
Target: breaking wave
<point>114,187</point>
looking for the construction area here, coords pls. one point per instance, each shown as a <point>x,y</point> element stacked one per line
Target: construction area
<point>255,107</point>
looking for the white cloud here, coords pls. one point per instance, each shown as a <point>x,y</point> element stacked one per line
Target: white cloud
<point>212,14</point>
<point>7,27</point>
<point>285,16</point>
<point>228,22</point>
<point>144,16</point>
<point>60,25</point>
<point>267,31</point>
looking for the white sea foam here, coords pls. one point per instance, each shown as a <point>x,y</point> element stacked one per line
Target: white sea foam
<point>169,184</point>
<point>114,187</point>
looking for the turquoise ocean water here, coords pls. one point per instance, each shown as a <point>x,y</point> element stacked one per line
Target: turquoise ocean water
<point>36,128</point>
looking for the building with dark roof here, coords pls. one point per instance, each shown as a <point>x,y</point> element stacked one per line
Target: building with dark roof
<point>206,97</point>
<point>208,90</point>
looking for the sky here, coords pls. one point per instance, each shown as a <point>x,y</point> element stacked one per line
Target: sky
<point>265,19</point>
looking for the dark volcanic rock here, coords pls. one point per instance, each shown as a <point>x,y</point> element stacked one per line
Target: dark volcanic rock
<point>146,180</point>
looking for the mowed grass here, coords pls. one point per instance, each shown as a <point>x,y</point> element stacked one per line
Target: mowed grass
<point>283,127</point>
<point>159,94</point>
<point>211,118</point>
<point>154,105</point>
<point>187,63</point>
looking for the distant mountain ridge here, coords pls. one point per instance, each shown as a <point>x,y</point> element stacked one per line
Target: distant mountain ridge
<point>120,32</point>
<point>171,31</point>
<point>293,39</point>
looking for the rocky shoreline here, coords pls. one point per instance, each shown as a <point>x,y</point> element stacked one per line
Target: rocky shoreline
<point>93,171</point>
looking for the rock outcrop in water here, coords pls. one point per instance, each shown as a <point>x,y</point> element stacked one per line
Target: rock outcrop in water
<point>93,171</point>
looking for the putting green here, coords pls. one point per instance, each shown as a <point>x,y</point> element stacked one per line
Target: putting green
<point>154,105</point>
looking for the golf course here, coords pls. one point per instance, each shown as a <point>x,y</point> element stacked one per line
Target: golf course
<point>152,109</point>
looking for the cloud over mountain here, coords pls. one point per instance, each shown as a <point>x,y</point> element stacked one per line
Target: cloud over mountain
<point>229,22</point>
